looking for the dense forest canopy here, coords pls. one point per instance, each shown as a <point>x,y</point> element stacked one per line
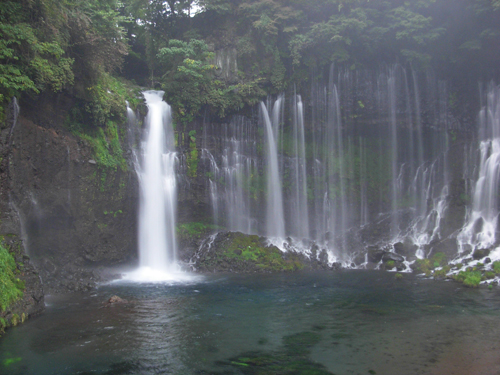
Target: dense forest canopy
<point>84,48</point>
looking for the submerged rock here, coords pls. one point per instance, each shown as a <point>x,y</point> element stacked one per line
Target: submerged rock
<point>116,299</point>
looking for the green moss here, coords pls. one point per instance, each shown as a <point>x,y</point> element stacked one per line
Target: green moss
<point>427,265</point>
<point>423,266</point>
<point>113,213</point>
<point>106,147</point>
<point>15,320</point>
<point>489,275</point>
<point>105,100</point>
<point>192,160</point>
<point>439,274</point>
<point>9,361</point>
<point>250,248</point>
<point>398,276</point>
<point>438,259</point>
<point>194,230</point>
<point>11,287</point>
<point>390,264</point>
<point>300,343</point>
<point>291,359</point>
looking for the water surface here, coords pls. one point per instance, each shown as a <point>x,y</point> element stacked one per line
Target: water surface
<point>350,322</point>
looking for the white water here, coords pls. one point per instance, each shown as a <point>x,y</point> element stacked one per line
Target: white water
<point>481,229</point>
<point>300,212</point>
<point>230,174</point>
<point>158,195</point>
<point>274,218</point>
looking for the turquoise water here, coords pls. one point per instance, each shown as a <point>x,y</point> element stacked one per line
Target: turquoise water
<point>351,322</point>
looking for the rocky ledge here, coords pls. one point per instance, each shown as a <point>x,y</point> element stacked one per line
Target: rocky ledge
<point>238,252</point>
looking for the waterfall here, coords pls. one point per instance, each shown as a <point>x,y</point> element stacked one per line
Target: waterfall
<point>157,208</point>
<point>231,168</point>
<point>482,227</point>
<point>300,212</point>
<point>131,126</point>
<point>391,84</point>
<point>352,170</point>
<point>15,114</point>
<point>275,223</point>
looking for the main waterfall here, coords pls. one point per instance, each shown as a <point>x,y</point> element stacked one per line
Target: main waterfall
<point>158,195</point>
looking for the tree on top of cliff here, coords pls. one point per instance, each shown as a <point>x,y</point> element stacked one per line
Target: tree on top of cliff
<point>48,45</point>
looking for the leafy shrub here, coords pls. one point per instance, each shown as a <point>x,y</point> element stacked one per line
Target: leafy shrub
<point>470,279</point>
<point>11,287</point>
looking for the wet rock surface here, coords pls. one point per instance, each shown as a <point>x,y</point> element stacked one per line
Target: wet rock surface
<point>76,216</point>
<point>238,252</point>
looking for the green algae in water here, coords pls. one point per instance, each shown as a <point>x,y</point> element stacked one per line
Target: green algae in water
<point>291,359</point>
<point>9,361</point>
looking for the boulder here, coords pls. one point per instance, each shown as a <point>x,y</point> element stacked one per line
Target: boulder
<point>375,254</point>
<point>388,256</point>
<point>480,253</point>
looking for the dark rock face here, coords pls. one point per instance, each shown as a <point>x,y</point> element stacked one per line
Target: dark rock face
<point>75,215</point>
<point>32,301</point>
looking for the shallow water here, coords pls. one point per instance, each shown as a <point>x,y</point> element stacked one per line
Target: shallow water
<point>351,322</point>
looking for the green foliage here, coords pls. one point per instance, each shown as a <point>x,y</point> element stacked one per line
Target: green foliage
<point>496,267</point>
<point>426,266</point>
<point>30,60</point>
<point>106,146</point>
<point>189,82</point>
<point>398,276</point>
<point>390,264</point>
<point>11,287</point>
<point>50,44</point>
<point>441,274</point>
<point>489,275</point>
<point>469,278</point>
<point>423,266</point>
<point>187,79</point>
<point>438,259</point>
<point>105,100</point>
<point>194,230</point>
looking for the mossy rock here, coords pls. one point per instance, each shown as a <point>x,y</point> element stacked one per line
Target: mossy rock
<point>238,252</point>
<point>470,278</point>
<point>427,265</point>
<point>441,274</point>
